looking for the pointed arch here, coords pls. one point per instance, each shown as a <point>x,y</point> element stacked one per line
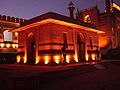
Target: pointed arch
<point>81,46</point>
<point>7,36</point>
<point>30,34</point>
<point>31,47</point>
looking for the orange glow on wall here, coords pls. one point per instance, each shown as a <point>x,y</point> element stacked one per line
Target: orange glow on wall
<point>93,62</point>
<point>16,45</point>
<point>46,59</point>
<point>87,56</point>
<point>18,59</point>
<point>7,45</point>
<point>16,33</point>
<point>103,41</point>
<point>13,45</point>
<point>68,58</point>
<point>76,58</point>
<point>2,45</point>
<point>37,60</point>
<point>57,59</point>
<point>93,56</point>
<point>25,59</point>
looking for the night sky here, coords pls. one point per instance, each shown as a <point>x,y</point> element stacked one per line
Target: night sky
<point>30,8</point>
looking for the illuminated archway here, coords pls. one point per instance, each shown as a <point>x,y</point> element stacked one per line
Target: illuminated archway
<point>7,36</point>
<point>81,47</point>
<point>31,49</point>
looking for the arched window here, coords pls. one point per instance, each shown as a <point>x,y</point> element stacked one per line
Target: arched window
<point>87,19</point>
<point>7,36</point>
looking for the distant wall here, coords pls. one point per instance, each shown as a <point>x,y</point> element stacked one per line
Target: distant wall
<point>11,19</point>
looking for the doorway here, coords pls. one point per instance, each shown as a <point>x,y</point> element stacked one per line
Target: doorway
<point>81,47</point>
<point>31,49</point>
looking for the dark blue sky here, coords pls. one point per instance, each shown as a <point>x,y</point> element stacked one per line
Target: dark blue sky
<point>31,8</point>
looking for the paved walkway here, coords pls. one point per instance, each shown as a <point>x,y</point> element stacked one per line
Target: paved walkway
<point>20,76</point>
<point>23,70</point>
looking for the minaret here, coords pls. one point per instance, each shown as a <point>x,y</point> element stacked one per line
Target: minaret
<point>108,5</point>
<point>71,9</point>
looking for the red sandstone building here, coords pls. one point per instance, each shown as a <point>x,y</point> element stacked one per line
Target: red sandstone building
<point>54,38</point>
<point>108,21</point>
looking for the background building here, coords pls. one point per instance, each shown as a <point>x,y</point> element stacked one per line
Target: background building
<point>108,21</point>
<point>8,40</point>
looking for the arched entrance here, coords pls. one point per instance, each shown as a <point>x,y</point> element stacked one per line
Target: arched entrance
<point>31,49</point>
<point>81,47</point>
<point>7,36</point>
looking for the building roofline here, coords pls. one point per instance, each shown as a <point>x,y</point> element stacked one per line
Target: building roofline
<point>51,17</point>
<point>55,21</point>
<point>57,17</point>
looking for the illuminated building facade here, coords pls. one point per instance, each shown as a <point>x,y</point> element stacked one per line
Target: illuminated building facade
<point>8,40</point>
<point>54,38</point>
<point>108,21</point>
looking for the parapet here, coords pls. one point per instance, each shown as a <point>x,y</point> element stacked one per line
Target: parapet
<point>92,8</point>
<point>11,19</point>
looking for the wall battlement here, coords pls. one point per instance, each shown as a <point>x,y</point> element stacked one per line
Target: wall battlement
<point>91,8</point>
<point>11,19</point>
